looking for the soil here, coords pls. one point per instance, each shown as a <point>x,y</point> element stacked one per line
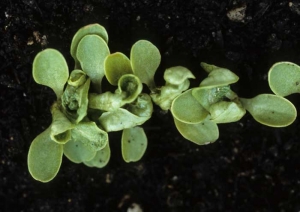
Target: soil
<point>251,167</point>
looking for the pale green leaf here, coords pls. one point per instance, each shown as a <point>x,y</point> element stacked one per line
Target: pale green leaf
<point>201,133</point>
<point>226,112</point>
<point>77,78</point>
<point>87,139</point>
<point>101,158</point>
<point>120,119</point>
<point>75,101</point>
<point>60,126</point>
<point>44,157</point>
<point>271,110</point>
<point>116,65</point>
<point>284,78</point>
<point>130,87</point>
<point>177,75</point>
<point>91,53</point>
<point>105,101</point>
<point>134,144</point>
<point>50,69</point>
<point>142,106</point>
<point>187,109</point>
<point>91,29</point>
<point>208,67</point>
<point>145,59</point>
<point>219,77</point>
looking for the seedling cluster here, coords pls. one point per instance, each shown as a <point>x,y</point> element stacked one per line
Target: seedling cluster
<point>84,113</point>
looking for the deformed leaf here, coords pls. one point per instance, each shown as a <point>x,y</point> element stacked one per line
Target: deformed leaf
<point>208,67</point>
<point>284,78</point>
<point>201,133</point>
<point>187,109</point>
<point>219,77</point>
<point>145,59</point>
<point>91,29</point>
<point>101,158</point>
<point>77,78</point>
<point>60,126</point>
<point>50,69</point>
<point>120,119</point>
<point>226,112</point>
<point>177,75</point>
<point>142,106</point>
<point>105,101</point>
<point>271,110</point>
<point>130,87</point>
<point>116,65</point>
<point>134,144</point>
<point>86,140</point>
<point>44,157</point>
<point>91,53</point>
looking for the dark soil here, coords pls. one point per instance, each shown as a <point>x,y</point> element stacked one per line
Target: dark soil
<point>250,168</point>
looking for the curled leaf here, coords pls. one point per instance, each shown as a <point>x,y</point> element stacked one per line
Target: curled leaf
<point>60,126</point>
<point>101,158</point>
<point>130,87</point>
<point>201,133</point>
<point>208,67</point>
<point>77,78</point>
<point>50,69</point>
<point>91,29</point>
<point>142,106</point>
<point>44,157</point>
<point>271,110</point>
<point>177,75</point>
<point>116,65</point>
<point>187,109</point>
<point>106,101</point>
<point>145,59</point>
<point>86,140</point>
<point>284,78</point>
<point>219,77</point>
<point>226,112</point>
<point>91,53</point>
<point>134,144</point>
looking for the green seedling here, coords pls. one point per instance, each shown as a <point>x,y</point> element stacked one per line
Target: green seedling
<point>85,112</point>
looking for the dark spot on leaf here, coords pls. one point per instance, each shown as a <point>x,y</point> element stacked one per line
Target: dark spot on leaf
<point>297,83</point>
<point>272,112</point>
<point>128,141</point>
<point>203,124</point>
<point>76,145</point>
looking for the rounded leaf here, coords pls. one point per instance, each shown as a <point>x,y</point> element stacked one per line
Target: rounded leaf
<point>187,109</point>
<point>271,110</point>
<point>44,157</point>
<point>101,158</point>
<point>134,144</point>
<point>201,133</point>
<point>145,59</point>
<point>91,29</point>
<point>115,66</point>
<point>91,53</point>
<point>50,69</point>
<point>226,112</point>
<point>284,78</point>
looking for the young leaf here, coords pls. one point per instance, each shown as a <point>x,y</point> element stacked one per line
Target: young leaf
<point>201,133</point>
<point>91,53</point>
<point>226,112</point>
<point>187,109</point>
<point>271,110</point>
<point>120,119</point>
<point>177,75</point>
<point>134,144</point>
<point>61,126</point>
<point>77,78</point>
<point>86,140</point>
<point>115,66</point>
<point>219,77</point>
<point>44,157</point>
<point>50,69</point>
<point>91,29</point>
<point>101,158</point>
<point>129,87</point>
<point>105,101</point>
<point>208,67</point>
<point>284,78</point>
<point>75,101</point>
<point>142,106</point>
<point>145,59</point>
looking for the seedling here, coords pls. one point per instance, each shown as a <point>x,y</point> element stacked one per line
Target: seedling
<point>85,112</point>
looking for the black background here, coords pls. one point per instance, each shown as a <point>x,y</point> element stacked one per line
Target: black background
<point>250,168</point>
